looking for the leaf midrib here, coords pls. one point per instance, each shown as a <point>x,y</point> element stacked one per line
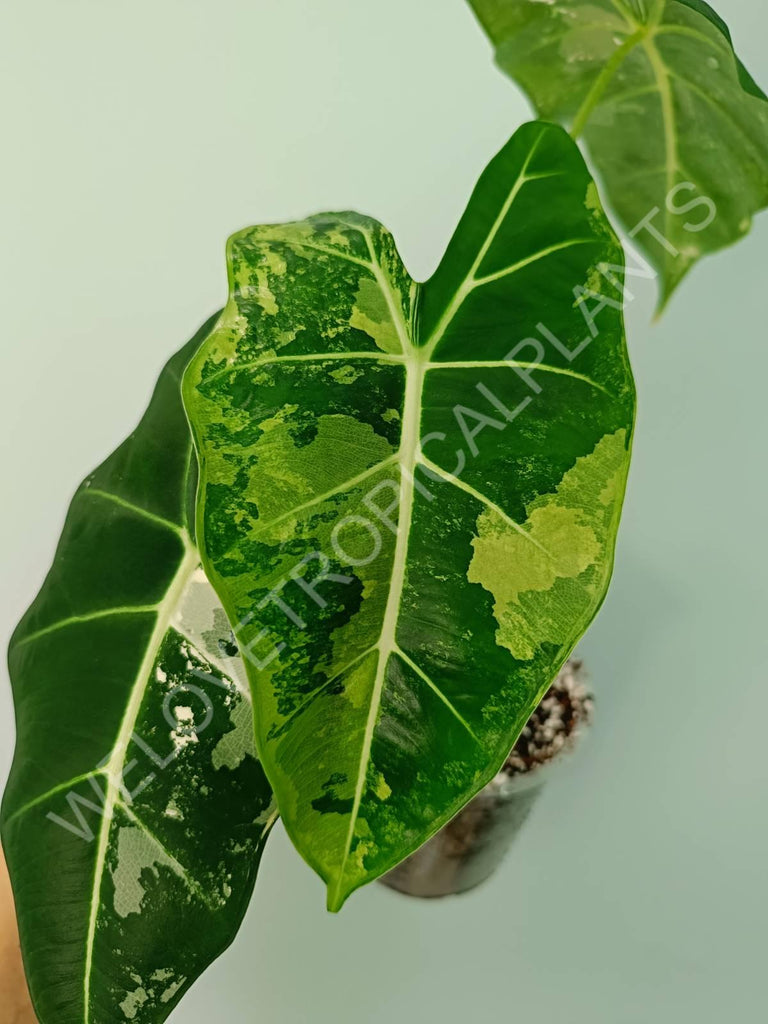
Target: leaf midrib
<point>407,458</point>
<point>409,455</point>
<point>115,765</point>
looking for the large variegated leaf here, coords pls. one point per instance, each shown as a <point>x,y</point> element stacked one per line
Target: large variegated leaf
<point>410,524</point>
<point>672,120</point>
<point>136,810</point>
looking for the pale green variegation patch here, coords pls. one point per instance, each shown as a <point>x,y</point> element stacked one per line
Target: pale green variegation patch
<point>237,744</point>
<point>372,315</point>
<point>546,577</point>
<point>674,123</point>
<point>135,852</point>
<point>359,570</point>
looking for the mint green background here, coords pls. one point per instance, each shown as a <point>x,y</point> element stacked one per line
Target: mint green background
<point>137,136</point>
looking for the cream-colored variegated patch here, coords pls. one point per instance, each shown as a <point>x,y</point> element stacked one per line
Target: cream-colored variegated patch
<point>546,578</point>
<point>133,1002</point>
<point>200,620</point>
<point>136,852</point>
<point>236,745</point>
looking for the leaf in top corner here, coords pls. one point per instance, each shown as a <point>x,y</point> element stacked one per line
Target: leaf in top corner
<point>673,121</point>
<point>410,493</point>
<point>136,810</point>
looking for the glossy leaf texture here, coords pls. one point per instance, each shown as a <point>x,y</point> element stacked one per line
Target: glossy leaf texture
<point>409,522</point>
<point>673,122</point>
<point>136,810</point>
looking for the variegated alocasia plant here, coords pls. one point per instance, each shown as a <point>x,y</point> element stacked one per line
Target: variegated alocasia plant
<point>673,122</point>
<point>136,810</point>
<point>410,493</point>
<point>406,518</point>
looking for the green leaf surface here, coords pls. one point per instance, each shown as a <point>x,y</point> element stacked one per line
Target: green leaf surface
<point>409,509</point>
<point>670,116</point>
<point>136,810</point>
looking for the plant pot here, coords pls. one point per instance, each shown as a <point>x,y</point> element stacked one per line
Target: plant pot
<point>472,845</point>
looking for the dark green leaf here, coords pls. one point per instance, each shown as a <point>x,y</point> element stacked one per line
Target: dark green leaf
<point>673,121</point>
<point>401,613</point>
<point>136,810</point>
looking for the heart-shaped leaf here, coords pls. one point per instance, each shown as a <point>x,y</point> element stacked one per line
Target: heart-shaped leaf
<point>136,811</point>
<point>672,120</point>
<point>410,493</point>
